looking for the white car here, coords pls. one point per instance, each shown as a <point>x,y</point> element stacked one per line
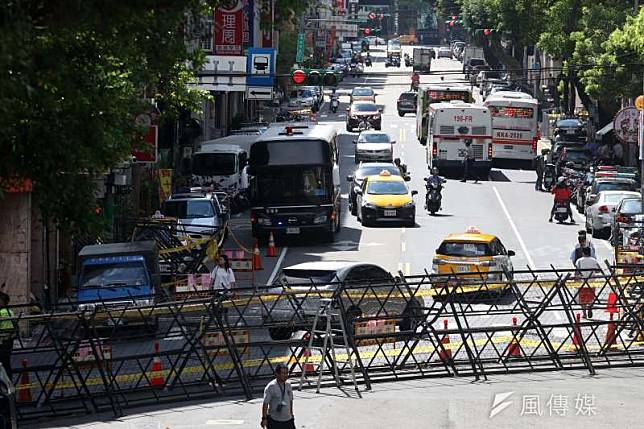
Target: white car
<point>599,214</point>
<point>374,146</point>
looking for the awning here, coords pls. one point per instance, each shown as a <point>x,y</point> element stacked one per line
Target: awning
<point>607,129</point>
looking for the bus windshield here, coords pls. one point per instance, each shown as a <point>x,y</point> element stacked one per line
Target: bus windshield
<point>311,184</point>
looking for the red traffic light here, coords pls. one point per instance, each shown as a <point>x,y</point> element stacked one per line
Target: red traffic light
<point>487,31</point>
<point>298,77</point>
<point>367,31</point>
<point>451,23</point>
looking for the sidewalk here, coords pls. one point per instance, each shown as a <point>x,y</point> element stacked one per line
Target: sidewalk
<point>610,399</point>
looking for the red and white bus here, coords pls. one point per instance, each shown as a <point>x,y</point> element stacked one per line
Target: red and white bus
<point>453,125</point>
<point>514,125</point>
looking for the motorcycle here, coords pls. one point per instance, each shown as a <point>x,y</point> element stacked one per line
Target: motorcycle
<point>364,125</point>
<point>549,177</point>
<point>433,196</point>
<point>561,212</point>
<point>367,62</point>
<point>335,103</point>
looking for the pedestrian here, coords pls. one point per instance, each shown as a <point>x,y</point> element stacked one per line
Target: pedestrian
<point>222,275</point>
<point>586,266</point>
<point>539,168</point>
<point>277,409</point>
<point>618,153</point>
<point>468,162</point>
<point>583,242</point>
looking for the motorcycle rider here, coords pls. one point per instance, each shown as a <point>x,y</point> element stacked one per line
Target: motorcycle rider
<point>368,60</point>
<point>433,182</point>
<point>562,194</point>
<point>334,100</point>
<point>401,167</point>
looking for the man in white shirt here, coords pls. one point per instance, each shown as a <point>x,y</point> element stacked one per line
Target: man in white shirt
<point>277,408</point>
<point>587,266</point>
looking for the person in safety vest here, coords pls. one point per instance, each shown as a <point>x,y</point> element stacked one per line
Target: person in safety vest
<point>6,332</point>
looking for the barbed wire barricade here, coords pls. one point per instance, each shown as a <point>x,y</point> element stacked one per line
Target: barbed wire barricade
<point>212,344</point>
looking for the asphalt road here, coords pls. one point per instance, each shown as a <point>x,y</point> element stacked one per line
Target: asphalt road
<point>505,205</point>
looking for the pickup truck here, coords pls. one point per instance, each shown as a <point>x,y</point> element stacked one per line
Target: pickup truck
<point>118,275</point>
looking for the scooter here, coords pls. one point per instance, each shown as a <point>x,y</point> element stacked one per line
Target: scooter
<point>335,102</point>
<point>561,212</point>
<point>367,62</point>
<point>433,196</point>
<point>549,177</point>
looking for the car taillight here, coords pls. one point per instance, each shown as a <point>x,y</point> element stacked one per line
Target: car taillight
<point>253,218</point>
<point>489,151</point>
<point>603,209</point>
<point>534,144</point>
<point>434,150</point>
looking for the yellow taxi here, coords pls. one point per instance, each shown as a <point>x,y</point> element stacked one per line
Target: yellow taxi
<point>473,252</point>
<point>385,198</point>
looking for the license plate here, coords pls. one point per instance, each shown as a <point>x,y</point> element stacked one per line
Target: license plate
<point>390,212</point>
<point>570,131</point>
<point>508,147</point>
<point>293,230</point>
<point>562,210</point>
<point>462,268</point>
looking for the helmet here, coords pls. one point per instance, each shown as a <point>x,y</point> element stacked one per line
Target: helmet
<point>561,180</point>
<point>397,161</point>
<point>434,170</point>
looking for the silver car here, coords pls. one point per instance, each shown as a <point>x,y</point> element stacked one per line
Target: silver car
<point>599,214</point>
<point>362,281</point>
<point>374,146</point>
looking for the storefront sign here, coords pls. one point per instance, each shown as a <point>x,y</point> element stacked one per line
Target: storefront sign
<point>229,28</point>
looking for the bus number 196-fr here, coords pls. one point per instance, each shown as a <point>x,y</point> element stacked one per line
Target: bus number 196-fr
<point>462,118</point>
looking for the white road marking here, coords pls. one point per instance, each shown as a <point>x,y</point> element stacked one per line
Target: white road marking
<point>277,265</point>
<point>224,422</point>
<point>403,230</point>
<point>403,247</point>
<point>407,269</point>
<point>514,228</point>
<point>400,266</point>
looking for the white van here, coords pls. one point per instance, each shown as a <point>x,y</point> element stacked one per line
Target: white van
<point>223,165</point>
<point>453,124</point>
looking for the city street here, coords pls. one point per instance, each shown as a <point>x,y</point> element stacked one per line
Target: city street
<point>505,205</point>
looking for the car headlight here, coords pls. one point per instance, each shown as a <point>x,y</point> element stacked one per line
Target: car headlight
<point>86,307</point>
<point>143,302</point>
<point>321,218</point>
<point>370,206</point>
<point>264,221</point>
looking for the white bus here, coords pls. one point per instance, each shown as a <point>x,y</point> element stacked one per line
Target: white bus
<point>436,93</point>
<point>514,125</point>
<point>451,126</point>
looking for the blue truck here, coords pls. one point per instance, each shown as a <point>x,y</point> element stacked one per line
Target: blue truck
<point>118,275</point>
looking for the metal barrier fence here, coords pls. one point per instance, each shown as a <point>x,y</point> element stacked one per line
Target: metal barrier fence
<point>210,345</point>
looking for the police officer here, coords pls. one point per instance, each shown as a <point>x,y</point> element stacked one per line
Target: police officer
<point>539,168</point>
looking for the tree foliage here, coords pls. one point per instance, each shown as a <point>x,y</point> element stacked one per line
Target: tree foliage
<point>74,77</point>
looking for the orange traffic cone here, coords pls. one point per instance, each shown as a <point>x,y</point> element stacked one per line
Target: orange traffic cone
<point>271,252</point>
<point>306,354</point>
<point>257,259</point>
<point>576,336</point>
<point>24,391</point>
<point>156,378</point>
<point>447,354</point>
<point>610,334</point>
<point>514,349</point>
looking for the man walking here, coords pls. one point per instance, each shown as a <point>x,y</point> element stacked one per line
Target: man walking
<point>277,410</point>
<point>586,266</point>
<point>539,168</point>
<point>468,162</point>
<point>578,251</point>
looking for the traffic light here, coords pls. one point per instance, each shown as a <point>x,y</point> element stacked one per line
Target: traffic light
<point>313,77</point>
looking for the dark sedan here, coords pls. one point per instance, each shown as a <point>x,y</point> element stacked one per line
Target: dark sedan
<point>571,129</point>
<point>363,111</point>
<point>406,103</point>
<point>364,170</point>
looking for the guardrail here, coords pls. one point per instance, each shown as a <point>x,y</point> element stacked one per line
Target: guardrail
<point>211,344</point>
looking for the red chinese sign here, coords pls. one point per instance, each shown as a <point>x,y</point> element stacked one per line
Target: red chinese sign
<point>145,150</point>
<point>229,28</point>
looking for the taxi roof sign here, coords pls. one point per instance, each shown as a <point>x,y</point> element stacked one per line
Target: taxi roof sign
<point>472,230</point>
<point>384,173</point>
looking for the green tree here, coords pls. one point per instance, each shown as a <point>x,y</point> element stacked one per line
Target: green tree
<point>74,77</point>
